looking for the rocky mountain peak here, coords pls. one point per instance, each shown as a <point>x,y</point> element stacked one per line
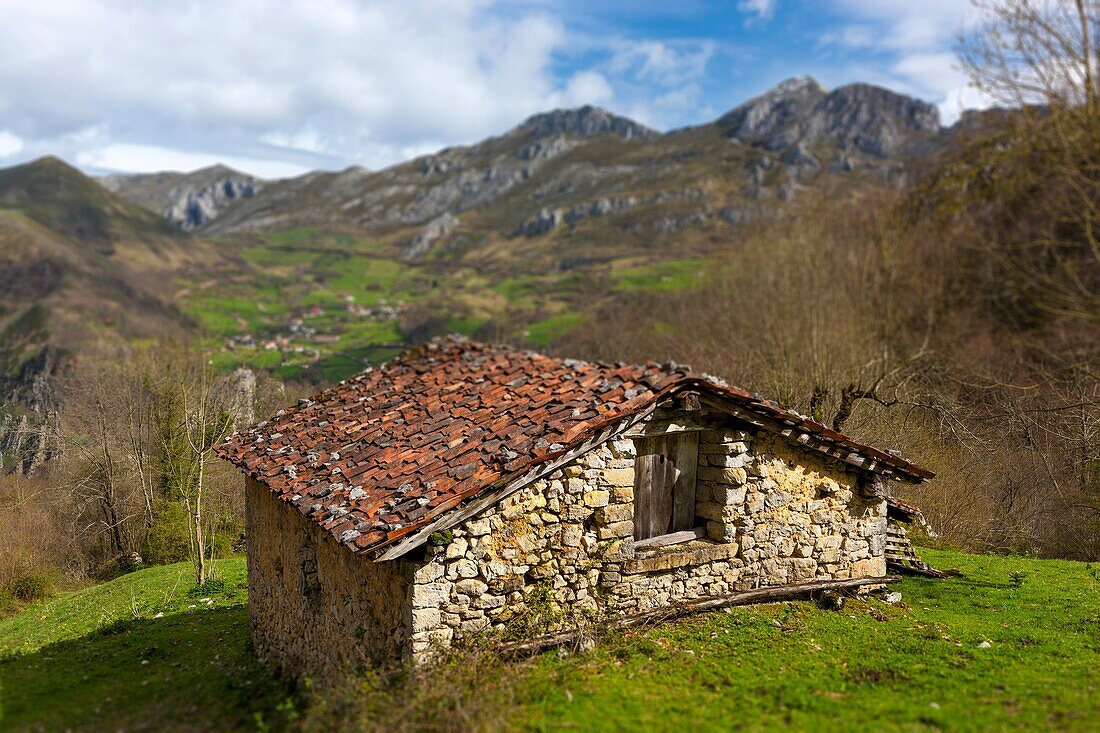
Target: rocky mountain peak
<point>857,117</point>
<point>796,85</point>
<point>586,121</point>
<point>774,116</point>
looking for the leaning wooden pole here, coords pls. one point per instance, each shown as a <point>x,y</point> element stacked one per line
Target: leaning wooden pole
<point>769,594</point>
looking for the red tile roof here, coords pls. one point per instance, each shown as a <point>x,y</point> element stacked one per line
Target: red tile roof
<point>389,451</point>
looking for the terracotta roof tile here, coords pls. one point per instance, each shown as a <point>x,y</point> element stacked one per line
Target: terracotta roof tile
<point>386,452</point>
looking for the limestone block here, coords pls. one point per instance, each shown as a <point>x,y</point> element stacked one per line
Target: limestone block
<point>574,486</point>
<point>873,567</point>
<point>801,569</point>
<point>426,618</point>
<point>710,510</point>
<point>735,476</point>
<point>466,568</point>
<point>575,513</point>
<point>572,470</point>
<point>614,513</point>
<point>429,572</point>
<point>471,587</point>
<point>786,547</point>
<point>571,535</point>
<point>597,498</point>
<point>729,495</point>
<point>477,527</point>
<point>622,494</point>
<point>616,530</point>
<point>876,544</point>
<point>473,626</point>
<point>721,531</point>
<point>619,550</point>
<point>593,459</point>
<point>457,548</point>
<point>622,477</point>
<point>426,595</point>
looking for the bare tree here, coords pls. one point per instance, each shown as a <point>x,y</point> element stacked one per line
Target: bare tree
<point>192,421</point>
<point>1035,186</point>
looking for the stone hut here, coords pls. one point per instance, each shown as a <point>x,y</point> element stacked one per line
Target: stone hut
<point>466,489</point>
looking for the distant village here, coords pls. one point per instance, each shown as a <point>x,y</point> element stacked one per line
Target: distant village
<point>298,336</point>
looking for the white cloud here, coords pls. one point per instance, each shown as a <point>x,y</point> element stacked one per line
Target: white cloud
<point>588,87</point>
<point>661,62</point>
<point>305,83</point>
<point>759,8</point>
<point>151,158</point>
<point>9,144</point>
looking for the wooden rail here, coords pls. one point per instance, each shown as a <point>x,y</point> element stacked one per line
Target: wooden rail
<point>769,594</point>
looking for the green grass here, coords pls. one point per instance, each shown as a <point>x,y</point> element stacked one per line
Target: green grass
<point>547,330</point>
<point>144,651</point>
<point>288,237</point>
<point>99,659</point>
<point>669,275</point>
<point>869,667</point>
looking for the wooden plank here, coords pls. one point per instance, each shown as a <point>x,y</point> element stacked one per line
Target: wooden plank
<point>644,479</point>
<point>686,460</point>
<point>654,477</point>
<point>671,539</point>
<point>741,598</point>
<point>664,480</point>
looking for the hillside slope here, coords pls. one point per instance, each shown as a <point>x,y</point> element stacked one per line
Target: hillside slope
<point>80,270</point>
<point>1011,645</point>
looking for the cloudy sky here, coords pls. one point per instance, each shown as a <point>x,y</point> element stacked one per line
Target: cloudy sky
<point>278,87</point>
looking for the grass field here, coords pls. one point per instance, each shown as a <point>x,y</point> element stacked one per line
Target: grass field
<point>302,292</point>
<point>1012,645</point>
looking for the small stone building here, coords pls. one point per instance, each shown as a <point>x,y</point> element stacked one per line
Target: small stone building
<point>465,489</point>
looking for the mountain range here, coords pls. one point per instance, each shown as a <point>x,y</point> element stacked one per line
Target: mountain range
<point>518,237</point>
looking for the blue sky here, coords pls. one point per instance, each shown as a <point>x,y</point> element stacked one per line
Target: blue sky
<point>278,87</point>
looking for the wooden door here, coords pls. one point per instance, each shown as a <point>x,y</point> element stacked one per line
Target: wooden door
<point>664,484</point>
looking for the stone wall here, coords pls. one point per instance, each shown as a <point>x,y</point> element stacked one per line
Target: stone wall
<point>562,548</point>
<point>316,609</point>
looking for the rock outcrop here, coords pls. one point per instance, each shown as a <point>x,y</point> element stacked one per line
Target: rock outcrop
<point>187,200</point>
<point>858,117</point>
<point>586,121</point>
<point>435,230</point>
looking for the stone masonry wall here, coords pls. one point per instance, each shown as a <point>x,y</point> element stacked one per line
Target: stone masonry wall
<point>314,608</point>
<point>563,546</point>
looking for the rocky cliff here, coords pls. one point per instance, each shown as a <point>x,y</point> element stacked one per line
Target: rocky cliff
<point>857,117</point>
<point>187,200</point>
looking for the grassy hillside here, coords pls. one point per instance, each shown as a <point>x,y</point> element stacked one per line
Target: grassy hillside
<point>81,268</point>
<point>143,651</point>
<point>1012,645</point>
